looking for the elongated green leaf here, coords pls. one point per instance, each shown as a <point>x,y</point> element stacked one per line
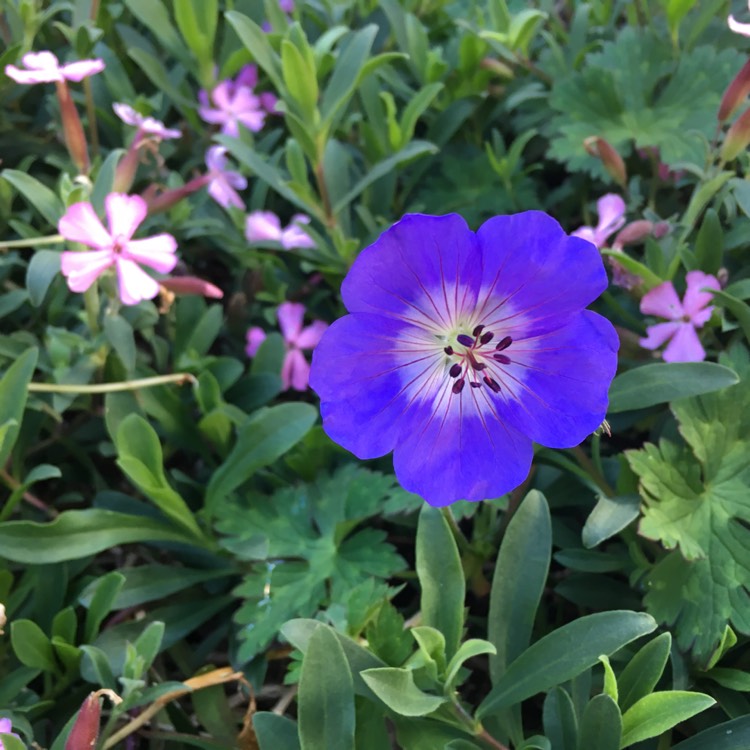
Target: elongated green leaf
<point>658,712</point>
<point>702,195</point>
<point>601,725</point>
<point>79,533</point>
<point>275,732</point>
<point>610,515</point>
<point>105,593</point>
<point>13,392</point>
<point>731,735</point>
<point>300,80</point>
<point>738,308</point>
<point>397,689</point>
<point>256,42</point>
<point>441,578</point>
<point>660,383</point>
<point>559,718</point>
<point>520,575</point>
<point>156,72</point>
<point>266,436</point>
<point>639,678</point>
<point>565,653</point>
<point>326,695</point>
<point>650,279</point>
<point>39,196</point>
<point>31,646</point>
<point>467,650</point>
<point>42,269</point>
<point>140,457</point>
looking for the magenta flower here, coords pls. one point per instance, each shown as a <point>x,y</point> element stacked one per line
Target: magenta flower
<point>146,125</point>
<point>461,349</point>
<point>264,226</point>
<point>44,67</point>
<point>611,210</point>
<point>684,317</point>
<point>223,183</point>
<point>295,371</point>
<point>737,27</point>
<point>115,247</point>
<point>5,728</point>
<point>235,103</point>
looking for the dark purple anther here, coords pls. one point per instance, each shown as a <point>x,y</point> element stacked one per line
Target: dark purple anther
<point>492,384</point>
<point>448,350</point>
<point>486,338</point>
<point>475,385</point>
<point>464,339</point>
<point>504,343</point>
<point>478,366</point>
<point>455,370</point>
<point>501,358</point>
<point>477,330</point>
<point>458,386</point>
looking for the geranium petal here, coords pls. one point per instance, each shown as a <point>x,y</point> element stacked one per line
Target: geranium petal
<point>310,336</point>
<point>81,224</point>
<point>658,334</point>
<point>535,276</point>
<point>290,315</point>
<point>663,302</point>
<point>77,71</point>
<point>134,283</point>
<point>611,210</point>
<point>295,371</point>
<point>157,252</point>
<point>124,214</point>
<point>255,337</point>
<point>555,389</point>
<point>262,225</point>
<point>459,449</point>
<point>697,303</point>
<point>424,269</point>
<point>685,346</point>
<point>83,269</point>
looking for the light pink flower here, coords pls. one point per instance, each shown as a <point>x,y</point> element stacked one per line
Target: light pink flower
<point>223,183</point>
<point>115,247</point>
<point>737,27</point>
<point>684,317</point>
<point>44,67</point>
<point>264,226</point>
<point>235,103</point>
<point>148,125</point>
<point>5,728</point>
<point>611,211</point>
<point>295,371</point>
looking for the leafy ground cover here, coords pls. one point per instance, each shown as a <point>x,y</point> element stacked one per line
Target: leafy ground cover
<point>374,375</point>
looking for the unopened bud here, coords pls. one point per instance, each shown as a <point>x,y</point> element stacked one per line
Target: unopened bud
<point>3,619</point>
<point>634,232</point>
<point>75,138</point>
<point>735,94</point>
<point>85,731</point>
<point>126,170</point>
<point>612,161</point>
<point>737,138</point>
<point>497,67</point>
<point>168,198</point>
<point>192,285</point>
<point>660,229</point>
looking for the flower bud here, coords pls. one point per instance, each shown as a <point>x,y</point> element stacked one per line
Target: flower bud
<point>735,94</point>
<point>126,170</point>
<point>192,285</point>
<point>168,198</point>
<point>611,160</point>
<point>737,138</point>
<point>497,67</point>
<point>75,138</point>
<point>85,731</point>
<point>634,232</point>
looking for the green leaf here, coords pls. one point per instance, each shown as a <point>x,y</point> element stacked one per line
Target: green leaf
<point>703,195</point>
<point>275,732</point>
<point>140,457</point>
<point>601,725</point>
<point>197,24</point>
<point>37,195</point>
<point>148,644</point>
<point>696,503</point>
<point>42,270</point>
<point>75,534</point>
<point>659,383</point>
<point>266,436</point>
<point>730,735</point>
<point>610,681</point>
<point>326,695</point>
<point>559,717</point>
<point>709,244</point>
<point>31,646</point>
<point>518,583</point>
<point>658,712</point>
<point>13,393</point>
<point>565,653</point>
<point>396,688</point>
<point>610,515</point>
<point>733,679</point>
<point>740,310</point>
<point>157,74</point>
<point>441,577</point>
<point>256,42</point>
<point>301,81</point>
<point>120,335</point>
<point>105,593</point>
<point>467,650</point>
<point>643,671</point>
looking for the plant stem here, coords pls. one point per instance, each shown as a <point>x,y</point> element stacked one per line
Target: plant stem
<point>52,239</point>
<point>91,114</point>
<point>325,197</point>
<point>588,465</point>
<point>475,727</point>
<point>461,540</point>
<point>14,485</point>
<point>125,385</point>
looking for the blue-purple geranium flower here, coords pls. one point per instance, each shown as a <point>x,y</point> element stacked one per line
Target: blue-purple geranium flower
<point>463,348</point>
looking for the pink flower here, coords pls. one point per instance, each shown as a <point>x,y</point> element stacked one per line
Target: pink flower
<point>5,727</point>
<point>115,247</point>
<point>737,27</point>
<point>611,210</point>
<point>235,103</point>
<point>222,182</point>
<point>295,371</point>
<point>44,67</point>
<point>684,317</point>
<point>147,125</point>
<point>262,226</point>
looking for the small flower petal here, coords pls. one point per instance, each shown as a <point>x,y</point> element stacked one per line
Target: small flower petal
<point>125,213</point>
<point>77,71</point>
<point>134,283</point>
<point>290,315</point>
<point>81,224</point>
<point>657,334</point>
<point>611,210</point>
<point>295,237</point>
<point>157,252</point>
<point>262,225</point>
<point>663,302</point>
<point>255,337</point>
<point>685,346</point>
<point>83,269</point>
<point>697,304</point>
<point>295,371</point>
<point>310,336</point>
